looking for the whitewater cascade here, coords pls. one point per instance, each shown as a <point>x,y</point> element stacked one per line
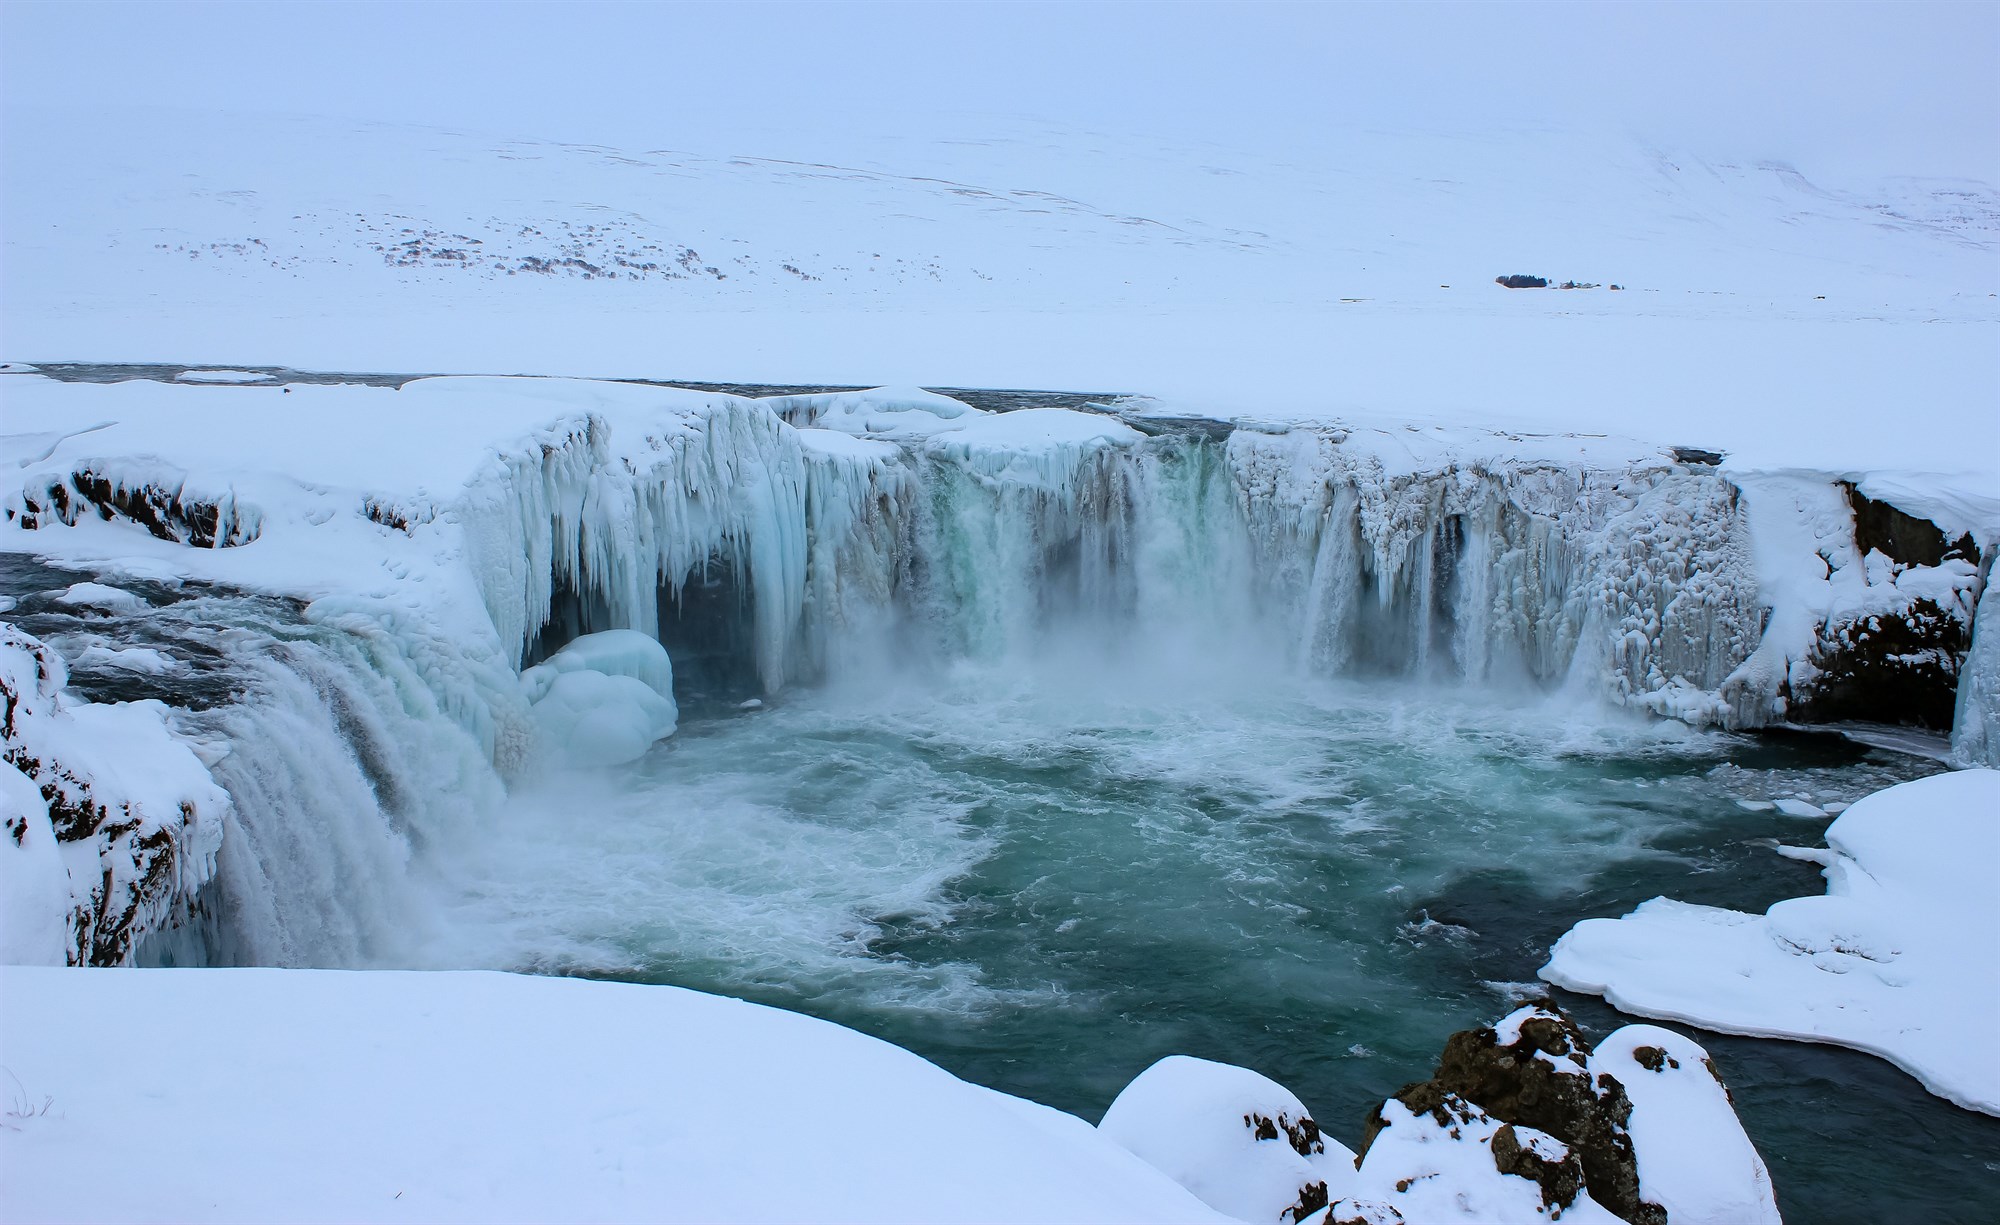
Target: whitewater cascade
<point>765,543</point>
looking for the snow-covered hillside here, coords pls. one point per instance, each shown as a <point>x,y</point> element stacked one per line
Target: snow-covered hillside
<point>1354,274</point>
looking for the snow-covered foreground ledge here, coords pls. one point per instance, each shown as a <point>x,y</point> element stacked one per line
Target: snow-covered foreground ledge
<point>293,1095</point>
<point>314,1095</point>
<point>1900,957</point>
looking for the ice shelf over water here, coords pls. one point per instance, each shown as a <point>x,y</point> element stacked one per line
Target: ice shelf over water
<point>1897,958</point>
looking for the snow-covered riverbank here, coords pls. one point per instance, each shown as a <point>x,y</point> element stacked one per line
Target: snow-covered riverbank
<point>1897,958</point>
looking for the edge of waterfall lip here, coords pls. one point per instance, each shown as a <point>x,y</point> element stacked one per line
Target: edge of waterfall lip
<point>998,399</point>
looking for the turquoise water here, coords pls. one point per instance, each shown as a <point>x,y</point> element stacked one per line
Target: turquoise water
<point>1045,882</point>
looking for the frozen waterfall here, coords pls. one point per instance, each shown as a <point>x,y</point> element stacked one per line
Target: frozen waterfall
<point>767,543</point>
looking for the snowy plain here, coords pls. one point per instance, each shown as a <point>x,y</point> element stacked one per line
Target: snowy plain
<point>1842,327</point>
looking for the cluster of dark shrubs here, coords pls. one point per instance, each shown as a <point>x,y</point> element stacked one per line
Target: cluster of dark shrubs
<point>1521,280</point>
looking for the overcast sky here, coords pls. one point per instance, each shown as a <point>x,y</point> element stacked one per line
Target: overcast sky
<point>1838,89</point>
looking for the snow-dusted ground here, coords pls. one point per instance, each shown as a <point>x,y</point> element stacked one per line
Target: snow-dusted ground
<point>1898,957</point>
<point>325,1096</point>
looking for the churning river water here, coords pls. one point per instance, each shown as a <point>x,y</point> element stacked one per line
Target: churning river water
<point>1046,878</point>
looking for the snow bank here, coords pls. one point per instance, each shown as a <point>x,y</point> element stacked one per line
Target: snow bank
<point>112,821</point>
<point>880,412</point>
<point>296,1095</point>
<point>1238,1140</point>
<point>1041,256</point>
<point>1694,1159</point>
<point>1896,959</point>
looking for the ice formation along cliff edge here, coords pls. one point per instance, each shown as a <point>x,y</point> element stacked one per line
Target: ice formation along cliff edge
<point>431,542</point>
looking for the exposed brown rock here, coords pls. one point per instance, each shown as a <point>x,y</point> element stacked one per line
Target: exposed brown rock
<point>1541,1081</point>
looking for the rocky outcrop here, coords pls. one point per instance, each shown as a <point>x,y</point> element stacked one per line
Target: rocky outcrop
<point>161,503</point>
<point>1532,1072</point>
<point>1897,657</point>
<point>1522,1121</point>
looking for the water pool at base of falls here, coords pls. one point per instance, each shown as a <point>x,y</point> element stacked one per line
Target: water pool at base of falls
<point>1046,880</point>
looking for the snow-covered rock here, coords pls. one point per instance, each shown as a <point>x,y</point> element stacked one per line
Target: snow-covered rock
<point>1855,632</point>
<point>1238,1140</point>
<point>1524,1121</point>
<point>1693,1158</point>
<point>1895,959</point>
<point>111,822</point>
<point>1458,1163</point>
<point>1521,1121</point>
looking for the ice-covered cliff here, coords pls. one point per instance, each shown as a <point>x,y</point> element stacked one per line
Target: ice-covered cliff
<point>434,540</point>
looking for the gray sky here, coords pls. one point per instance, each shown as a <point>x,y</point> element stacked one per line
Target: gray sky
<point>1838,89</point>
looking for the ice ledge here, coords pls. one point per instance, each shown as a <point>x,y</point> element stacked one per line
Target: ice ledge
<point>1896,959</point>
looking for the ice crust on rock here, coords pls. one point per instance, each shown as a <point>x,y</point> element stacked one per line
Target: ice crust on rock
<point>605,698</point>
<point>111,823</point>
<point>99,595</point>
<point>626,653</point>
<point>1975,729</point>
<point>901,413</point>
<point>1894,959</point>
<point>222,376</point>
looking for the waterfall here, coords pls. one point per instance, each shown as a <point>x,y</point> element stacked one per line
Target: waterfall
<point>764,547</point>
<point>344,764</point>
